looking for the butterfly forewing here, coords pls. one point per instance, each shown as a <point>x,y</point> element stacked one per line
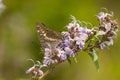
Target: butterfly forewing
<point>48,38</point>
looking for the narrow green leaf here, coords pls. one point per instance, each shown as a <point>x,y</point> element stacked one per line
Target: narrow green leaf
<point>97,65</point>
<point>94,55</point>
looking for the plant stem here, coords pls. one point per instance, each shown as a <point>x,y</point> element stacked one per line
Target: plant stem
<point>44,74</point>
<point>49,69</point>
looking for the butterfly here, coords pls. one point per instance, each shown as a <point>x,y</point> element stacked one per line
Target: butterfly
<point>48,38</point>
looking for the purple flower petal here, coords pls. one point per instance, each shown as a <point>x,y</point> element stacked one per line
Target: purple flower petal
<point>63,57</point>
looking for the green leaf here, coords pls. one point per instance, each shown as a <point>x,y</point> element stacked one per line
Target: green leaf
<point>94,55</point>
<point>97,65</point>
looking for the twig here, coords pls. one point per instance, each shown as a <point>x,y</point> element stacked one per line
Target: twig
<point>49,69</point>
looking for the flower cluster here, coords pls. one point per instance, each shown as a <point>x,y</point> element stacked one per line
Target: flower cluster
<point>36,69</point>
<point>107,29</point>
<point>79,38</point>
<point>73,41</point>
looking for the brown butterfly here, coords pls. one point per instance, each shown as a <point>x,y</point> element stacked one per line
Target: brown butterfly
<point>48,38</point>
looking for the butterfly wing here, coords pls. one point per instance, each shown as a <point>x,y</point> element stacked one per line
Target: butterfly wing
<point>48,38</point>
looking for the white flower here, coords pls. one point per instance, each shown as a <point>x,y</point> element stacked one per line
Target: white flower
<point>71,25</point>
<point>40,72</point>
<point>107,26</point>
<point>102,45</point>
<point>47,52</point>
<point>102,15</point>
<point>30,70</point>
<point>101,33</point>
<point>109,42</point>
<point>69,52</point>
<point>47,61</point>
<point>63,57</point>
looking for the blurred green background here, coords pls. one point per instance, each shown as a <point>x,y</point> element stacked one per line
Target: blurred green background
<point>19,40</point>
